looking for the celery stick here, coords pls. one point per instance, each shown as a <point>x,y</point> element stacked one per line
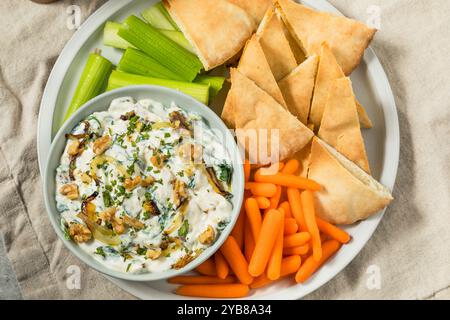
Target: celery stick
<point>158,17</point>
<point>215,83</point>
<point>121,79</point>
<point>159,47</point>
<point>111,38</point>
<point>137,62</point>
<point>91,83</point>
<point>179,38</point>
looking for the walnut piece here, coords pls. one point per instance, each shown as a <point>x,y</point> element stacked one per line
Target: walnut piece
<point>153,254</point>
<point>85,178</point>
<point>147,181</point>
<point>131,184</point>
<point>180,193</point>
<point>79,233</point>
<point>70,191</point>
<point>74,148</point>
<point>102,144</point>
<point>132,222</point>
<point>208,236</point>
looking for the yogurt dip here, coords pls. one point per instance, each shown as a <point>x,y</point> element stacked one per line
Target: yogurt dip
<point>139,191</point>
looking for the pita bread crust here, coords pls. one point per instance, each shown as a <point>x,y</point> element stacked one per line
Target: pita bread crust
<point>348,194</point>
<point>215,43</point>
<point>303,156</point>
<point>275,45</point>
<point>347,38</point>
<point>363,117</point>
<point>254,65</point>
<point>255,8</point>
<point>298,87</point>
<point>256,109</point>
<point>328,71</point>
<point>340,124</point>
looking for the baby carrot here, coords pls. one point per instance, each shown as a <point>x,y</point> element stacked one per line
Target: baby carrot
<point>222,269</point>
<point>296,240</point>
<point>289,265</point>
<point>238,230</point>
<point>213,290</point>
<point>253,216</point>
<point>291,167</point>
<point>264,244</point>
<point>310,266</point>
<point>290,226</point>
<point>309,213</point>
<point>296,207</point>
<point>207,268</point>
<point>201,280</point>
<point>287,209</point>
<point>333,231</point>
<point>296,251</point>
<point>247,170</point>
<point>274,200</point>
<point>287,180</point>
<point>263,202</point>
<point>249,243</point>
<point>274,265</point>
<point>236,260</point>
<point>267,190</point>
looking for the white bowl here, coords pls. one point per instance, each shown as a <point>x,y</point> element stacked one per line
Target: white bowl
<point>165,96</point>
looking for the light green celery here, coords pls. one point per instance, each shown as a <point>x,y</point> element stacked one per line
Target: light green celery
<point>158,17</point>
<point>196,90</point>
<point>92,82</point>
<point>215,83</point>
<point>111,37</point>
<point>179,38</point>
<point>171,55</point>
<point>137,62</point>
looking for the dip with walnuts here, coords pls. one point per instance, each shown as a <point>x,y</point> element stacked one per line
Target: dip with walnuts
<point>139,190</point>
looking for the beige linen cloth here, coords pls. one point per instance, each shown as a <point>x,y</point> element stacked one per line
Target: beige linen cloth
<point>410,248</point>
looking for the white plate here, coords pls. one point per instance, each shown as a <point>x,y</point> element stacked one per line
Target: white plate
<point>370,84</point>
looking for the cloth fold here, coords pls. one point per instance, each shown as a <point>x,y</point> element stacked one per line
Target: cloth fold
<point>409,253</point>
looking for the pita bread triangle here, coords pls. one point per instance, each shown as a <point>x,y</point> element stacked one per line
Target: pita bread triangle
<point>348,193</point>
<point>215,43</point>
<point>303,156</point>
<point>255,8</point>
<point>328,71</point>
<point>256,110</point>
<point>347,38</point>
<point>298,86</point>
<point>275,45</point>
<point>254,65</point>
<point>340,124</point>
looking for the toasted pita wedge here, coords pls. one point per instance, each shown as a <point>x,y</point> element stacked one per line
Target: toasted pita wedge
<point>340,124</point>
<point>298,86</point>
<point>256,110</point>
<point>348,194</point>
<point>303,156</point>
<point>275,45</point>
<point>254,65</point>
<point>216,29</point>
<point>255,8</point>
<point>347,38</point>
<point>328,71</point>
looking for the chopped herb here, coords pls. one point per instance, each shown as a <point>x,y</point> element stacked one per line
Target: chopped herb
<point>100,252</point>
<point>141,251</point>
<point>166,135</point>
<point>183,231</point>
<point>128,267</point>
<point>107,200</point>
<point>225,172</point>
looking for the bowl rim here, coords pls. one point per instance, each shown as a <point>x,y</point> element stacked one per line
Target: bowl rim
<point>209,116</point>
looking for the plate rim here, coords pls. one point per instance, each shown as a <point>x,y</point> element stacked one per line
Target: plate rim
<point>384,93</point>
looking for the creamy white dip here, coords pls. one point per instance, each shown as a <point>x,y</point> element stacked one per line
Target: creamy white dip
<point>139,191</point>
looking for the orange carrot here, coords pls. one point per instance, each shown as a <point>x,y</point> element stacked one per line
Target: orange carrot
<point>287,209</point>
<point>222,269</point>
<point>264,244</point>
<point>214,290</point>
<point>253,216</point>
<point>273,168</point>
<point>296,251</point>
<point>238,230</point>
<point>263,202</point>
<point>290,226</point>
<point>333,231</point>
<point>236,260</point>
<point>275,200</point>
<point>201,280</point>
<point>309,213</point>
<point>296,207</point>
<point>310,266</point>
<point>287,180</point>
<point>296,240</point>
<point>207,268</point>
<point>274,264</point>
<point>249,245</point>
<point>291,167</point>
<point>289,265</point>
<point>247,170</point>
<point>267,190</point>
